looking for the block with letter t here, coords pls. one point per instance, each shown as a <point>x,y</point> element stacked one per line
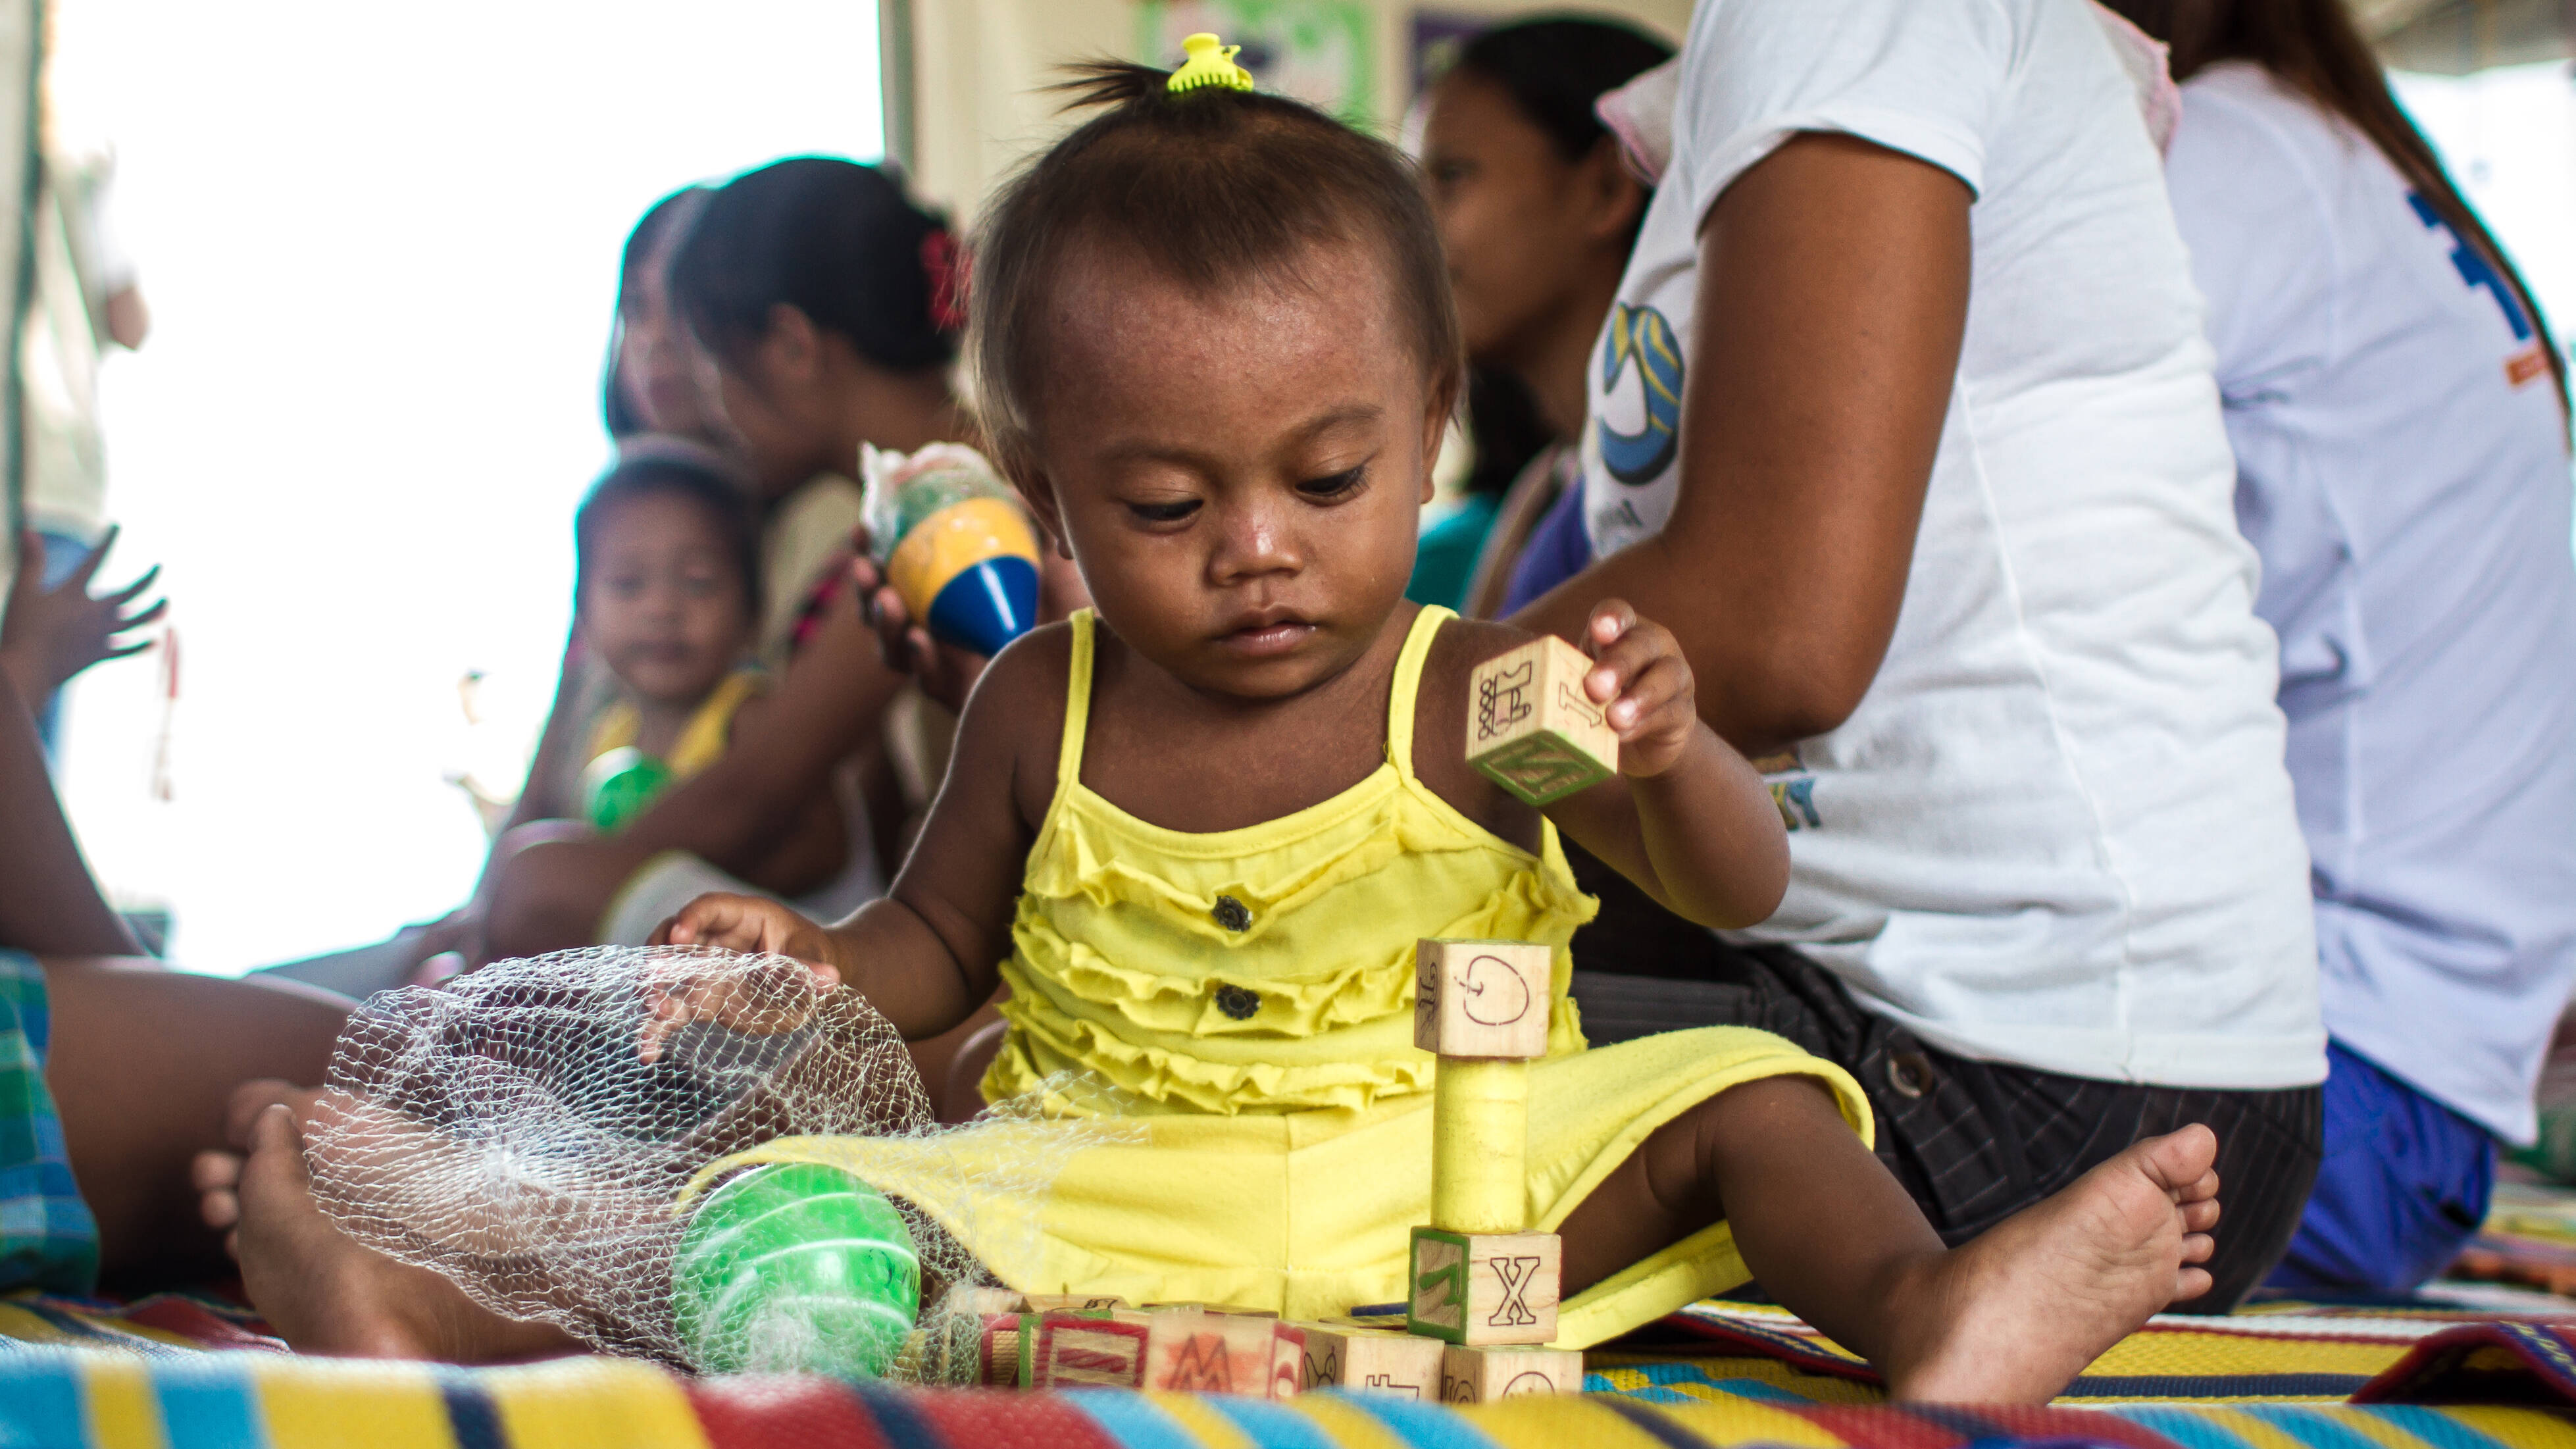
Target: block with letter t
<point>1532,729</point>
<point>1484,1288</point>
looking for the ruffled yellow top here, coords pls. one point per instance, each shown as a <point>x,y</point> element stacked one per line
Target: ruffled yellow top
<point>1267,969</point>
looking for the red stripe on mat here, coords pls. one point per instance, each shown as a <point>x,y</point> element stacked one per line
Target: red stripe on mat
<point>1012,1420</point>
<point>1872,1426</point>
<point>759,1412</point>
<point>2033,1421</point>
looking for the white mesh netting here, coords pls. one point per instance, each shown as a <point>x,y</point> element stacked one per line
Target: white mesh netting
<point>513,1132</point>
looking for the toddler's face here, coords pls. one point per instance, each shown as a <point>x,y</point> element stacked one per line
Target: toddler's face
<point>1240,476</point>
<point>662,601</point>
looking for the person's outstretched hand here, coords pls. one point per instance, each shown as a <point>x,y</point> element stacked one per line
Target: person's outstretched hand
<point>49,635</point>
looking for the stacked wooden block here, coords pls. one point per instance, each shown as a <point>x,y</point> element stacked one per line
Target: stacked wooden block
<point>1479,1282</point>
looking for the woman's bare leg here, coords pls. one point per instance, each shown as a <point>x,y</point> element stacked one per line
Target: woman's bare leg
<point>142,1062</point>
<point>2011,1316</point>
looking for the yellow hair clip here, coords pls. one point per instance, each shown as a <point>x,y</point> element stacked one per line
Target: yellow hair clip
<point>1210,63</point>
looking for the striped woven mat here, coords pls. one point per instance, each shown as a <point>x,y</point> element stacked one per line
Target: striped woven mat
<point>243,1400</point>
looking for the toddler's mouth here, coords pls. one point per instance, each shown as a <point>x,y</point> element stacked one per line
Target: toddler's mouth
<point>1267,633</point>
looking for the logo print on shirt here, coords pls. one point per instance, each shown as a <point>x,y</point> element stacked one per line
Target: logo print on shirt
<point>1641,334</point>
<point>2477,272</point>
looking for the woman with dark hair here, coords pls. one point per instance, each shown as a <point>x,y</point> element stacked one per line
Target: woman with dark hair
<point>651,384</point>
<point>826,304</point>
<point>1902,422</point>
<point>1536,214</point>
<point>2398,411</point>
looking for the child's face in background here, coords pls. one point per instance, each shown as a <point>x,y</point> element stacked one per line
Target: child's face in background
<point>662,600</point>
<point>1240,476</point>
<point>657,360</point>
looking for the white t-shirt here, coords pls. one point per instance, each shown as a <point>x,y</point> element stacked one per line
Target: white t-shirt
<point>2402,467</point>
<point>2057,831</point>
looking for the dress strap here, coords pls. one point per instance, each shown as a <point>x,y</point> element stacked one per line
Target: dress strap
<point>1408,683</point>
<point>1077,704</point>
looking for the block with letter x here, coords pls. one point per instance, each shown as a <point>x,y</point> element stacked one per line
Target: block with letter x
<point>1484,1288</point>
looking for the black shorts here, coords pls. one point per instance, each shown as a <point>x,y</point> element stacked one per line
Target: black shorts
<point>1974,1142</point>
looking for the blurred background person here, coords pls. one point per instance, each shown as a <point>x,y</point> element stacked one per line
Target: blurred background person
<point>86,300</point>
<point>1537,214</point>
<point>2398,410</point>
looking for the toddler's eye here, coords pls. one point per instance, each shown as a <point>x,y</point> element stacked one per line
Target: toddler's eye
<point>1336,485</point>
<point>1172,512</point>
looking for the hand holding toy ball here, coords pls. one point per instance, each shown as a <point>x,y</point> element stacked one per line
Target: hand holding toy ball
<point>953,542</point>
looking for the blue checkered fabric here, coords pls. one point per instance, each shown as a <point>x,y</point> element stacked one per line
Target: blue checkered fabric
<point>48,1239</point>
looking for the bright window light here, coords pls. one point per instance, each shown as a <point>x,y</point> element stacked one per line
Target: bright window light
<point>380,246</point>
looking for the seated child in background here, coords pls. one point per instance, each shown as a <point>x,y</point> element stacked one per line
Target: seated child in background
<point>1199,830</point>
<point>667,596</point>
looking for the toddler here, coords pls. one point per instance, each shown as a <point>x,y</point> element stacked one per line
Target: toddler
<point>667,596</point>
<point>1198,828</point>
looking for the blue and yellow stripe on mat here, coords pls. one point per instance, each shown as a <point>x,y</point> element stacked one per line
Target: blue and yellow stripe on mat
<point>77,1399</point>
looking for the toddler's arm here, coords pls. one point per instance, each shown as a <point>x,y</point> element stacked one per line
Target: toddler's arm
<point>1695,826</point>
<point>927,954</point>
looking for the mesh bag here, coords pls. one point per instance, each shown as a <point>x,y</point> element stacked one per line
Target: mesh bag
<point>515,1132</point>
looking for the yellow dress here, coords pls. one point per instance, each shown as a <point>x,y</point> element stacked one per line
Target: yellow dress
<point>1243,1000</point>
<point>702,739</point>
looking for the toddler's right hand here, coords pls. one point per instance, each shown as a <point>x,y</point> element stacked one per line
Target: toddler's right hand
<point>745,923</point>
<point>760,999</point>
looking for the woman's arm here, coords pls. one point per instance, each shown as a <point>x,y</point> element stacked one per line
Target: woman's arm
<point>1833,292</point>
<point>550,897</point>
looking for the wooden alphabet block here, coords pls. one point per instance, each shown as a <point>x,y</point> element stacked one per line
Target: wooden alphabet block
<point>1000,1352</point>
<point>1287,1359</point>
<point>1074,1350</point>
<point>1369,1360</point>
<point>1485,1288</point>
<point>1481,1374</point>
<point>1187,1351</point>
<point>1481,998</point>
<point>1530,727</point>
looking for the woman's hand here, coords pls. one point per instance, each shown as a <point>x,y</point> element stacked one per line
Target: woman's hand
<point>1645,686</point>
<point>945,672</point>
<point>49,635</point>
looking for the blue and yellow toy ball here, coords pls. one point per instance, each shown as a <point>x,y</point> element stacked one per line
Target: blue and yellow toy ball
<point>796,1267</point>
<point>954,544</point>
<point>617,786</point>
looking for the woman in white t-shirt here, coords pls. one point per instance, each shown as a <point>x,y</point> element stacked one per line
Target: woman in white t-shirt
<point>2399,416</point>
<point>1904,422</point>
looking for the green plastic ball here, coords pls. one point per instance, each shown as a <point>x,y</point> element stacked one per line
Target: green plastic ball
<point>619,784</point>
<point>796,1267</point>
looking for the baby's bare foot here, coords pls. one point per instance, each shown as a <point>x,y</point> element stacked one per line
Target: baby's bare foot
<point>326,1293</point>
<point>2013,1315</point>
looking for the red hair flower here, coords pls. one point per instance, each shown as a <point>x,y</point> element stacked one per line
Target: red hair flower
<point>945,263</point>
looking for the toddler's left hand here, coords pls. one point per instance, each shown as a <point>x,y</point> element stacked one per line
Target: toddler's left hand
<point>1645,684</point>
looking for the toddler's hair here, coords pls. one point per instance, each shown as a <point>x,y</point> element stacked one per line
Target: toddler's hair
<point>833,239</point>
<point>651,464</point>
<point>1214,187</point>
